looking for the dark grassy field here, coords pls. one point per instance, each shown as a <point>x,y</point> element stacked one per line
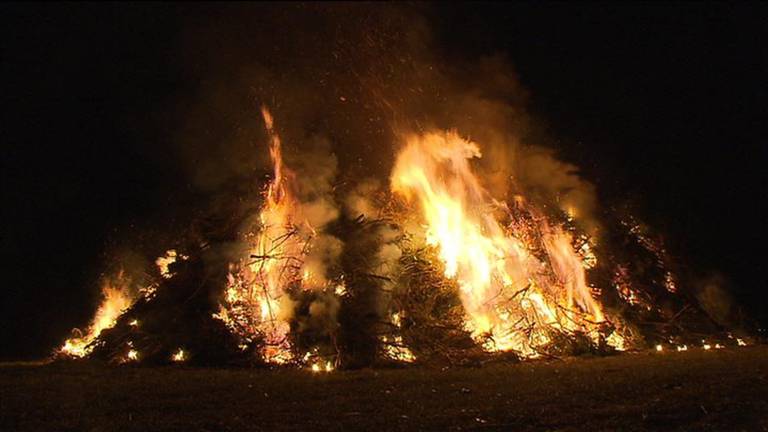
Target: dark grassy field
<point>723,390</point>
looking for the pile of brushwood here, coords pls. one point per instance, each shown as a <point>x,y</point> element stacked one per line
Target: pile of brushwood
<point>412,313</point>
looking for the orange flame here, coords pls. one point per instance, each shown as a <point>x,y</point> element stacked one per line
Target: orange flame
<point>257,303</point>
<point>116,299</point>
<point>505,288</point>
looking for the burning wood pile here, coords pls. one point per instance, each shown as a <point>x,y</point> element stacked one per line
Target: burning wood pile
<point>433,270</point>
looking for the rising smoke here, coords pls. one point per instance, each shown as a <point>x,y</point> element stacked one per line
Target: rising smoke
<point>346,83</point>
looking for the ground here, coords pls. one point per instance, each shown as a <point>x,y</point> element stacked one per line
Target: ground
<point>695,390</point>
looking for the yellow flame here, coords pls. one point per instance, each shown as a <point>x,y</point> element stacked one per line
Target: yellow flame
<point>116,299</point>
<point>490,261</point>
<point>163,262</point>
<point>321,367</point>
<point>395,349</point>
<point>179,356</point>
<point>396,319</point>
<point>257,304</point>
<point>616,341</point>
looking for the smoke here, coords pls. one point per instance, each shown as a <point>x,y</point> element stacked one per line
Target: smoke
<point>552,180</point>
<point>359,201</point>
<point>364,76</point>
<point>314,172</point>
<point>323,255</point>
<point>322,317</point>
<point>389,254</point>
<point>713,296</point>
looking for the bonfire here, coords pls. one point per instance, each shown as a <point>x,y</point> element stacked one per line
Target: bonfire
<point>441,271</point>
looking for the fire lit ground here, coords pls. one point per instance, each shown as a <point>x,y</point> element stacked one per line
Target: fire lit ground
<point>718,390</point>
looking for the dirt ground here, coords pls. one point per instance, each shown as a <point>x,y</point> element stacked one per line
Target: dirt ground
<point>721,390</point>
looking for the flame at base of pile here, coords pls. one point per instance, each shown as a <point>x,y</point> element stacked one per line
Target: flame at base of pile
<point>117,298</point>
<point>519,278</point>
<point>264,288</point>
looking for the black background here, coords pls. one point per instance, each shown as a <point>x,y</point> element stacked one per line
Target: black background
<point>662,102</point>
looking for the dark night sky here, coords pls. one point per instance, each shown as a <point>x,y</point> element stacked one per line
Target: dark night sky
<point>658,102</point>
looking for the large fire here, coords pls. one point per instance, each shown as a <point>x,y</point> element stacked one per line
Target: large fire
<point>518,277</point>
<point>512,274</point>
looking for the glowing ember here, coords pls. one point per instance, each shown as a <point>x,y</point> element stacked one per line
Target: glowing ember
<point>340,290</point>
<point>163,262</point>
<point>394,347</point>
<point>320,367</point>
<point>616,341</point>
<point>513,287</point>
<point>179,356</point>
<point>132,355</point>
<point>659,348</point>
<point>669,282</point>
